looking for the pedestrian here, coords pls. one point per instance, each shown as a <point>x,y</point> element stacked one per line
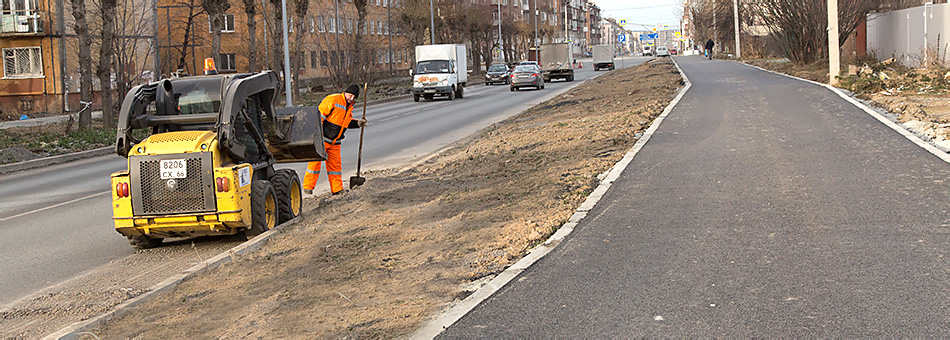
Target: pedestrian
<point>709,47</point>
<point>336,112</point>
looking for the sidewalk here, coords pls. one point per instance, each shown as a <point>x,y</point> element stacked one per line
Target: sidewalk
<point>761,207</point>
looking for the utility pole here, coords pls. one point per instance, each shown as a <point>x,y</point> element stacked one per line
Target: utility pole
<point>389,31</point>
<point>735,14</point>
<point>833,47</point>
<point>283,22</point>
<point>567,4</point>
<point>157,55</point>
<point>336,28</point>
<point>501,57</point>
<point>715,28</point>
<point>61,27</point>
<point>535,13</point>
<point>431,23</point>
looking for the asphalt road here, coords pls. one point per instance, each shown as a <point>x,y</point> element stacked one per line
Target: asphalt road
<point>762,207</point>
<point>55,222</point>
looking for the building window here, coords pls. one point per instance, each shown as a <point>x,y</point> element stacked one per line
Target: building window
<point>332,25</point>
<point>323,59</point>
<point>372,27</point>
<point>227,62</point>
<point>321,25</point>
<point>228,26</point>
<point>313,59</point>
<point>312,28</point>
<point>23,62</point>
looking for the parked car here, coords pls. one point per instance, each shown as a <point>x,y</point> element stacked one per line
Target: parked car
<point>526,76</point>
<point>674,51</point>
<point>498,73</point>
<point>662,51</point>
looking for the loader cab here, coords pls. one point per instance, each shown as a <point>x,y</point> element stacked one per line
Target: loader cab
<point>238,107</point>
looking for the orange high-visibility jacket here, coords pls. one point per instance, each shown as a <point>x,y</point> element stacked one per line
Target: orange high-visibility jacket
<point>337,117</point>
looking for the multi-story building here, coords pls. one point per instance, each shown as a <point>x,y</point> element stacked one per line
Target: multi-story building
<point>320,41</point>
<point>31,42</point>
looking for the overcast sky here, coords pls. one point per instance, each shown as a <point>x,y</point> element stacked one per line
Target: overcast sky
<point>644,12</point>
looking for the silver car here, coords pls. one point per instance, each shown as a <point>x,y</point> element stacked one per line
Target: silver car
<point>527,76</point>
<point>662,51</point>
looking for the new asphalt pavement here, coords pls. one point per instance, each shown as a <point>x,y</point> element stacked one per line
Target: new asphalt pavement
<point>762,207</point>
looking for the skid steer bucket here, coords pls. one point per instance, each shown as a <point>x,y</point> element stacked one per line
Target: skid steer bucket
<point>301,140</point>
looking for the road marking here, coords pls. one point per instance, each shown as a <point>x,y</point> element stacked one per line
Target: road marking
<point>53,206</point>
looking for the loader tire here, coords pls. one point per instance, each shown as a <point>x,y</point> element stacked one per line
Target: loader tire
<point>452,94</point>
<point>144,242</point>
<point>461,91</point>
<point>263,208</point>
<point>289,200</point>
<point>415,98</point>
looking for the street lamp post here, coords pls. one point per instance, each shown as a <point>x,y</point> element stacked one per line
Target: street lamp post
<point>431,23</point>
<point>288,90</point>
<point>500,55</point>
<point>535,14</point>
<point>735,14</point>
<point>833,47</point>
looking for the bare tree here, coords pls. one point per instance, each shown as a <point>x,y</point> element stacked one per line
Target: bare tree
<point>300,12</point>
<point>81,27</point>
<point>107,11</point>
<point>277,54</point>
<point>216,10</point>
<point>250,10</point>
<point>133,27</point>
<point>799,27</point>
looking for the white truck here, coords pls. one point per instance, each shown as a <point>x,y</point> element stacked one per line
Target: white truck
<point>441,70</point>
<point>556,62</point>
<point>603,57</point>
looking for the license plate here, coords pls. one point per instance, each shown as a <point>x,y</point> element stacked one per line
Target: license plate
<point>430,91</point>
<point>173,168</point>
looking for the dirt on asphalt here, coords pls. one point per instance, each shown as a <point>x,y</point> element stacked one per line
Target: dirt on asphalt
<point>379,261</point>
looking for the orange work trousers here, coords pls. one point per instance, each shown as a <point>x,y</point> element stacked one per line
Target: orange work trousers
<point>334,170</point>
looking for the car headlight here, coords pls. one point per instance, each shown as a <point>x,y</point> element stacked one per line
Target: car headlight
<point>444,82</point>
<point>416,84</point>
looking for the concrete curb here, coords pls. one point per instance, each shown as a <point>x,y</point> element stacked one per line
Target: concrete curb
<point>887,122</point>
<point>45,120</point>
<point>52,160</point>
<point>74,331</point>
<point>447,319</point>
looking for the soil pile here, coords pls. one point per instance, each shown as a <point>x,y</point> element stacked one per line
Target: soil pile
<point>378,261</point>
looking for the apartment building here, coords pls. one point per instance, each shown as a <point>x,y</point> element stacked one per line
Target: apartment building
<point>320,41</point>
<point>30,41</point>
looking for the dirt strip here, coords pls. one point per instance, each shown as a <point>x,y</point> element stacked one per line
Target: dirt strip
<point>380,260</point>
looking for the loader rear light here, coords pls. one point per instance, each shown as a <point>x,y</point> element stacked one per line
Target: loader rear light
<point>122,190</point>
<point>223,184</point>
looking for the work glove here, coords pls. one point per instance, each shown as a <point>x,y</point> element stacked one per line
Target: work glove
<point>361,122</point>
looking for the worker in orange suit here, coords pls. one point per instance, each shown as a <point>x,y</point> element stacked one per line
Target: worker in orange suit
<point>336,112</point>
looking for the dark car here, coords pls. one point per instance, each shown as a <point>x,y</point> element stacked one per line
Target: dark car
<point>526,76</point>
<point>499,73</point>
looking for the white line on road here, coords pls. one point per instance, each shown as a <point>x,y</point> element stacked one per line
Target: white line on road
<point>53,206</point>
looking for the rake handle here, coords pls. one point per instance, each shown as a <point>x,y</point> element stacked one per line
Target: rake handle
<point>359,157</point>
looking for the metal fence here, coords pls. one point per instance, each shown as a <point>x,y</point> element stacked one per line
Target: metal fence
<point>911,35</point>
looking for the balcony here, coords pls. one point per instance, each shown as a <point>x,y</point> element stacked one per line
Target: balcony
<point>23,22</point>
